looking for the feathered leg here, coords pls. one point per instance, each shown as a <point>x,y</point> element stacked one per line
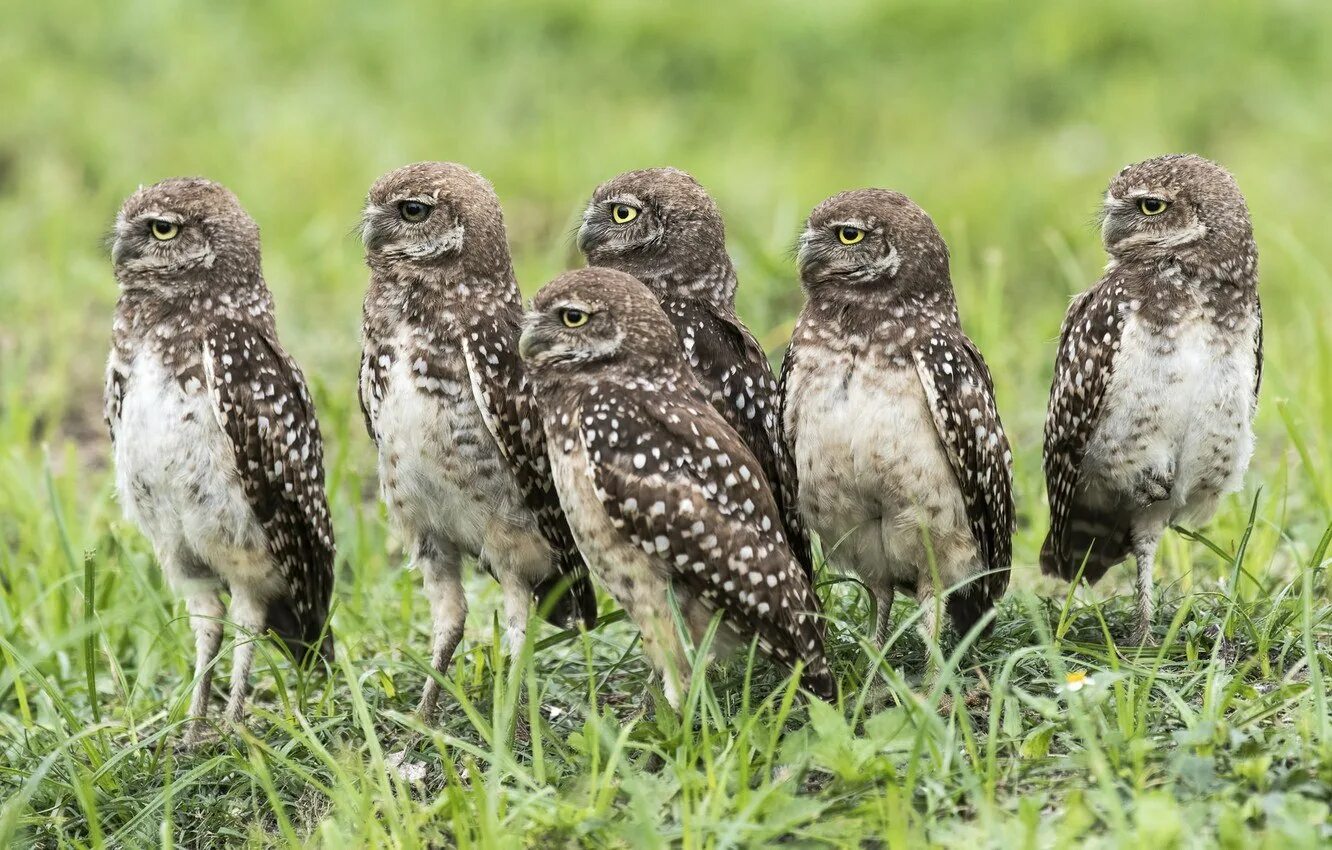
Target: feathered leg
<point>441,573</point>
<point>1145,542</point>
<point>248,615</point>
<point>206,612</point>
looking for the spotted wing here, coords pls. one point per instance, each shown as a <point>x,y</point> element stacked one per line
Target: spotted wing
<point>1083,367</point>
<point>373,384</point>
<point>502,391</point>
<point>263,406</point>
<point>960,394</point>
<point>1258,352</point>
<point>679,483</point>
<point>734,370</point>
<point>113,397</point>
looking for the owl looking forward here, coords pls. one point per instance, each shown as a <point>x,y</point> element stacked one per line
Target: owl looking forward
<point>462,458</point>
<point>890,415</point>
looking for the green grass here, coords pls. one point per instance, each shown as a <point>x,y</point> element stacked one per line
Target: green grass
<point>1005,121</point>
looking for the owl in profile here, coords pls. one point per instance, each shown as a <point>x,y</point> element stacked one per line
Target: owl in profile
<point>1156,380</point>
<point>663,496</point>
<point>662,227</point>
<point>890,414</point>
<point>216,444</point>
<point>462,458</point>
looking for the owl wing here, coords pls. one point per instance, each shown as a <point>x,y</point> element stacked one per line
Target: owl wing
<point>783,399</point>
<point>681,485</point>
<point>260,400</point>
<point>1258,352</point>
<point>1088,342</point>
<point>501,389</point>
<point>373,383</point>
<point>112,398</point>
<point>732,365</point>
<point>960,394</point>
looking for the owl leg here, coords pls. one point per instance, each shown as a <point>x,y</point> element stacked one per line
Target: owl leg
<point>517,605</point>
<point>929,613</point>
<point>929,625</point>
<point>1145,542</point>
<point>441,572</point>
<point>206,613</point>
<point>883,619</point>
<point>248,615</point>
<point>662,646</point>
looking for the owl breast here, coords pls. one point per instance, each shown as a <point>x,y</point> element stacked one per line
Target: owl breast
<point>872,470</point>
<point>440,469</point>
<point>1180,401</point>
<point>176,477</point>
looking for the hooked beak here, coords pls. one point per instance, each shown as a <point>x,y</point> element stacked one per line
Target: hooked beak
<point>531,342</point>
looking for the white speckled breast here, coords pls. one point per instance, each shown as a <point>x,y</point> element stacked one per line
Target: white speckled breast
<point>176,477</point>
<point>872,470</point>
<point>1179,399</point>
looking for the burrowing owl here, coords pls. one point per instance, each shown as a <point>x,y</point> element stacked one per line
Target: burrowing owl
<point>217,450</point>
<point>1156,380</point>
<point>890,414</point>
<point>663,496</point>
<point>662,227</point>
<point>462,457</point>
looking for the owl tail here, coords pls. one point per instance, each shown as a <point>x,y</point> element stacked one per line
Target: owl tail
<point>966,606</point>
<point>1101,541</point>
<point>304,636</point>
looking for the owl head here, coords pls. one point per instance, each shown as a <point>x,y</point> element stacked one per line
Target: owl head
<point>1178,205</point>
<point>598,317</point>
<point>662,227</point>
<point>433,216</point>
<point>184,233</point>
<point>868,241</point>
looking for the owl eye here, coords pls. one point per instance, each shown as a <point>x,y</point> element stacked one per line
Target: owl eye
<point>414,211</point>
<point>848,235</point>
<point>623,213</point>
<point>1152,206</point>
<point>162,230</point>
<point>573,317</point>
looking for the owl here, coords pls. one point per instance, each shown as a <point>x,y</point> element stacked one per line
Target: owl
<point>663,496</point>
<point>1156,379</point>
<point>462,457</point>
<point>217,449</point>
<point>662,227</point>
<point>890,415</point>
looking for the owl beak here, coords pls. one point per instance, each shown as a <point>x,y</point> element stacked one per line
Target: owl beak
<point>532,342</point>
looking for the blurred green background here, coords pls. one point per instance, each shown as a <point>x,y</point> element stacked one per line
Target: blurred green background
<point>1005,121</point>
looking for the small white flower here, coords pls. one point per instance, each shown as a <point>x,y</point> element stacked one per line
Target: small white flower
<point>1076,681</point>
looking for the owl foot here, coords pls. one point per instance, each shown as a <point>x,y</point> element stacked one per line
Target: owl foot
<point>1155,485</point>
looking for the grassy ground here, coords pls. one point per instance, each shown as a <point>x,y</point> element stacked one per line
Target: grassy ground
<point>1003,120</point>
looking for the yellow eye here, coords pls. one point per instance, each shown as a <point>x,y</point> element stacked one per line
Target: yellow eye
<point>848,235</point>
<point>623,213</point>
<point>573,317</point>
<point>1152,206</point>
<point>164,231</point>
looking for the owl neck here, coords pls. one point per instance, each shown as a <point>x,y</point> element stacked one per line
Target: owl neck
<point>172,310</point>
<point>713,281</point>
<point>438,294</point>
<point>893,302</point>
